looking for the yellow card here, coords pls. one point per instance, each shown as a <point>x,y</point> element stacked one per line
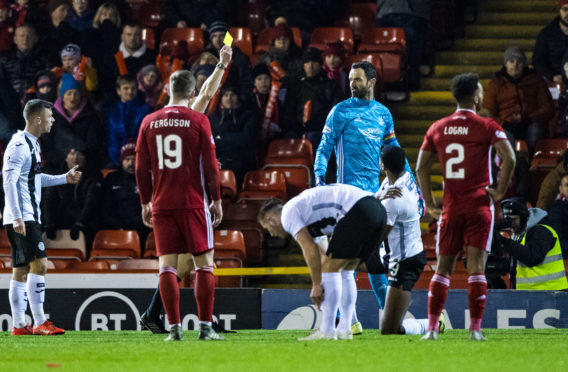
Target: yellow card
<point>228,40</point>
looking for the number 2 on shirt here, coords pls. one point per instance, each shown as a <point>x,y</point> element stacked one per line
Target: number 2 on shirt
<point>459,173</point>
<point>170,147</point>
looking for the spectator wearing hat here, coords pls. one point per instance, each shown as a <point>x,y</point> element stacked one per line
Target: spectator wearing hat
<point>240,70</point>
<point>284,52</point>
<point>201,74</point>
<point>519,99</point>
<point>558,214</point>
<point>265,99</point>
<point>77,126</point>
<point>23,61</point>
<point>551,44</point>
<point>123,117</point>
<point>150,84</point>
<point>45,87</point>
<point>75,207</point>
<point>122,208</point>
<point>234,128</point>
<point>79,66</point>
<point>83,14</point>
<point>309,99</point>
<point>59,33</point>
<point>196,13</point>
<point>334,56</point>
<point>6,27</point>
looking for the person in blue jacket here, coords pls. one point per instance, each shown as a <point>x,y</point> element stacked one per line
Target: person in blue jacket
<point>123,117</point>
<point>357,129</point>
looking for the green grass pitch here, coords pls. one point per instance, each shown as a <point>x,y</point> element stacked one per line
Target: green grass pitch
<point>263,350</point>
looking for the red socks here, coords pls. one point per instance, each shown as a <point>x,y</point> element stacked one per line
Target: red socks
<point>169,291</point>
<point>437,294</point>
<point>477,294</point>
<point>205,292</point>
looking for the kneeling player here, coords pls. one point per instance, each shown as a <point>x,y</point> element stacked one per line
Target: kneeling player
<point>407,257</point>
<point>357,221</point>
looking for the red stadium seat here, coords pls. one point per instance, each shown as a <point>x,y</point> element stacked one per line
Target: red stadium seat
<point>290,151</point>
<point>228,184</point>
<point>1,264</point>
<point>242,37</point>
<point>298,177</point>
<point>138,264</point>
<point>150,248</point>
<point>231,241</point>
<point>360,17</point>
<point>149,37</point>
<point>193,37</point>
<point>60,264</point>
<point>63,247</point>
<point>521,146</point>
<point>377,62</point>
<point>362,281</point>
<point>6,262</point>
<point>263,184</point>
<point>5,248</point>
<point>116,244</point>
<point>265,39</point>
<point>224,260</point>
<point>323,35</point>
<point>389,66</point>
<point>383,39</point>
<point>89,266</point>
<point>550,148</point>
<point>106,172</point>
<point>147,13</point>
<point>242,216</point>
<point>429,243</point>
<point>251,14</point>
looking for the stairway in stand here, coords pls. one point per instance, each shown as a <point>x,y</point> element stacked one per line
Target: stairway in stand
<point>500,24</point>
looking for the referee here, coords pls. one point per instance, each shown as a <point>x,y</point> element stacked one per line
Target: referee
<point>23,181</point>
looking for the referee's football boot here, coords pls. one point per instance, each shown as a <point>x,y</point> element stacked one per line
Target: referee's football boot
<point>48,329</point>
<point>23,331</point>
<point>430,336</point>
<point>207,333</point>
<point>153,325</point>
<point>175,333</point>
<point>476,336</point>
<point>319,335</point>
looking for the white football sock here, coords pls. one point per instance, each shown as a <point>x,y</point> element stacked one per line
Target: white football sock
<point>415,326</point>
<point>36,296</point>
<point>18,303</point>
<point>348,299</point>
<point>331,283</point>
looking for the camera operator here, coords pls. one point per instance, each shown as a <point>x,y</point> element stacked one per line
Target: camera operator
<point>534,245</point>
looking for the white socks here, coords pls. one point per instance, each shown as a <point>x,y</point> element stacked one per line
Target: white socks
<point>415,326</point>
<point>36,295</point>
<point>347,303</point>
<point>331,283</point>
<point>18,303</point>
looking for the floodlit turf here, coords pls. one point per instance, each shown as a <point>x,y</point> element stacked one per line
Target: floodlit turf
<point>506,350</point>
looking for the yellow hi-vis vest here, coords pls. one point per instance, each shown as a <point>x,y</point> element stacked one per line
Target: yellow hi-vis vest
<point>550,274</point>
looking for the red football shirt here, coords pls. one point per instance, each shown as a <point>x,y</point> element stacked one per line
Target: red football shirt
<point>463,143</point>
<point>175,159</point>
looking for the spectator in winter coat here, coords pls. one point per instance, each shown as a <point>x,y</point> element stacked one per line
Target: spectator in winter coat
<point>551,44</point>
<point>283,51</point>
<point>549,186</point>
<point>519,99</point>
<point>150,84</point>
<point>334,57</point>
<point>558,214</point>
<point>83,15</point>
<point>123,117</point>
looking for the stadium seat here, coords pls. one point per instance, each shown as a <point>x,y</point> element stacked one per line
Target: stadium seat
<point>360,17</point>
<point>193,37</point>
<point>1,264</point>
<point>147,13</point>
<point>521,146</point>
<point>5,248</point>
<point>88,266</point>
<point>362,281</point>
<point>230,241</point>
<point>6,262</point>
<point>116,244</point>
<point>290,151</point>
<point>149,37</point>
<point>383,39</point>
<point>377,62</point>
<point>224,259</point>
<point>263,184</point>
<point>550,148</point>
<point>63,247</point>
<point>60,264</point>
<point>242,216</point>
<point>323,35</point>
<point>251,14</point>
<point>429,243</point>
<point>150,248</point>
<point>138,264</point>
<point>264,39</point>
<point>242,37</point>
<point>228,184</point>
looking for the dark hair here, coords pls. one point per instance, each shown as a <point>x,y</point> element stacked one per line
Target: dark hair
<point>367,67</point>
<point>267,206</point>
<point>34,107</point>
<point>123,79</point>
<point>131,25</point>
<point>393,158</point>
<point>464,86</point>
<point>182,83</point>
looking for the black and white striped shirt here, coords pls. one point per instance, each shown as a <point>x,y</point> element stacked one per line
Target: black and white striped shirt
<point>23,179</point>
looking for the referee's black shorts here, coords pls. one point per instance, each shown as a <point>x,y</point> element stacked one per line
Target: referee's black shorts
<point>26,249</point>
<point>358,233</point>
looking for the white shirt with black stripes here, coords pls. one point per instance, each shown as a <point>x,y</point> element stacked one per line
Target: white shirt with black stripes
<point>23,180</point>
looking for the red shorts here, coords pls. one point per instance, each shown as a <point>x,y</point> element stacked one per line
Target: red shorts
<point>182,231</point>
<point>457,230</point>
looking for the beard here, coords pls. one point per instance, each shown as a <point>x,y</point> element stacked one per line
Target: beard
<point>564,22</point>
<point>361,93</point>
